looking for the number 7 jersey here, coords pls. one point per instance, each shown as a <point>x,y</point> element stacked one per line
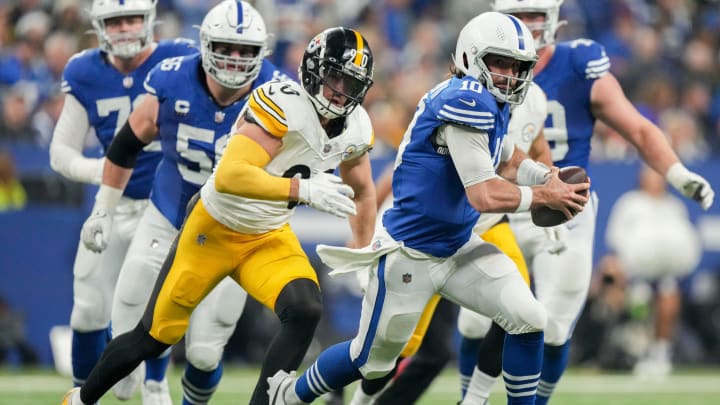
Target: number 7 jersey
<point>285,111</point>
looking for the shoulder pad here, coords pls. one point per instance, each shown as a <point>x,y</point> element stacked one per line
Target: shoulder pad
<point>362,133</point>
<point>269,104</point>
<point>77,68</point>
<point>589,58</point>
<point>167,73</point>
<point>466,102</point>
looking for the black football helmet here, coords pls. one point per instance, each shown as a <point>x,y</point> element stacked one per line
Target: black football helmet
<point>340,59</point>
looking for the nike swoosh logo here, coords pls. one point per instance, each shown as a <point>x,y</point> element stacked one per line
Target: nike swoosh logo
<point>470,103</point>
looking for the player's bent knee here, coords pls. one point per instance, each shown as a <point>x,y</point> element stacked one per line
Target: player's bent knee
<point>556,333</point>
<point>527,316</point>
<point>90,311</point>
<point>473,325</point>
<point>204,357</point>
<point>379,371</point>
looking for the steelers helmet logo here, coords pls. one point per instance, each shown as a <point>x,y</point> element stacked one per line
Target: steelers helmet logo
<point>527,132</point>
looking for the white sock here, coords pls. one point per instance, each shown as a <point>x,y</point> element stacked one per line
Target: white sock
<point>479,388</point>
<point>361,398</point>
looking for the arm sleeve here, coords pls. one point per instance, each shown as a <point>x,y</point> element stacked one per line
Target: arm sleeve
<point>240,172</point>
<point>470,153</point>
<point>67,144</point>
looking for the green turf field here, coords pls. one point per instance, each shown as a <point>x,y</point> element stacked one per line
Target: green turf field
<point>579,387</point>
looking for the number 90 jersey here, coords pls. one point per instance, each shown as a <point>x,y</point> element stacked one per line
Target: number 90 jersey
<point>108,96</point>
<point>193,130</point>
<point>567,81</point>
<point>285,111</point>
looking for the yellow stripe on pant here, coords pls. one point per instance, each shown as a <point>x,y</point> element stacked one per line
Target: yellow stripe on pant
<point>499,235</point>
<point>207,251</point>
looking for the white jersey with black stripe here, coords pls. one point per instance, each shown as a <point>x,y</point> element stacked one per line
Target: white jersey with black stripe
<point>283,109</point>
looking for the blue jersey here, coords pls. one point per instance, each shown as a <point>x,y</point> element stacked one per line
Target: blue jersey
<point>193,130</point>
<point>108,96</point>
<point>430,211</point>
<point>567,80</point>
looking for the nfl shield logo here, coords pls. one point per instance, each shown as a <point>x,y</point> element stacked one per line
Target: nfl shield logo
<point>407,278</point>
<point>327,148</point>
<point>219,116</point>
<point>201,238</point>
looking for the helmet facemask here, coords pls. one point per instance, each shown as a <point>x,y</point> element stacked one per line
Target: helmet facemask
<point>228,70</point>
<point>233,43</point>
<point>510,94</point>
<point>336,71</point>
<point>349,83</point>
<point>124,45</point>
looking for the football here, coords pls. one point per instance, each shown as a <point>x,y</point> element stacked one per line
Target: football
<point>546,216</point>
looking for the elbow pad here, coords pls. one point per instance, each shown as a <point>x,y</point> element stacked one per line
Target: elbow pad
<point>125,147</point>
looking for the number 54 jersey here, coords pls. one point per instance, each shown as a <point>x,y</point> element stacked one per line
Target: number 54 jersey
<point>284,110</point>
<point>193,130</point>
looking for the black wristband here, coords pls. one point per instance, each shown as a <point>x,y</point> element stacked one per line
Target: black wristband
<point>125,147</point>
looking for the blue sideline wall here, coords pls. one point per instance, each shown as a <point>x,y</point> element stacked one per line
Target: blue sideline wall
<point>39,243</point>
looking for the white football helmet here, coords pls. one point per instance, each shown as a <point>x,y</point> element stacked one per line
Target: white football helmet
<point>233,22</point>
<point>551,9</point>
<point>123,45</point>
<point>497,34</point>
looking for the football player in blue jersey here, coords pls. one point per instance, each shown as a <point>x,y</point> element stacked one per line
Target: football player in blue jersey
<point>287,140</point>
<point>191,105</point>
<point>102,86</point>
<point>445,177</point>
<point>580,89</point>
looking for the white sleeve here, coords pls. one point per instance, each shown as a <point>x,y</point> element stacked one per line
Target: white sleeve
<point>67,143</point>
<point>470,153</point>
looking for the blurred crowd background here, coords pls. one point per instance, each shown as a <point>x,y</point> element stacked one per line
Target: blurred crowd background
<point>666,54</point>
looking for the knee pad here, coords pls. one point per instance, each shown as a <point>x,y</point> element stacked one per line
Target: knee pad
<point>299,302</point>
<point>229,303</point>
<point>473,325</point>
<point>556,332</point>
<point>90,311</point>
<point>136,283</point>
<point>526,314</point>
<point>204,357</point>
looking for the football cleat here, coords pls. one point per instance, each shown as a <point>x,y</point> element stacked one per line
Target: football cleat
<point>126,388</point>
<point>67,399</point>
<point>279,384</point>
<point>156,393</point>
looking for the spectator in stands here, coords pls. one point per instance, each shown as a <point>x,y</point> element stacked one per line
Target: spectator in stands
<point>12,197</point>
<point>12,336</point>
<point>655,241</point>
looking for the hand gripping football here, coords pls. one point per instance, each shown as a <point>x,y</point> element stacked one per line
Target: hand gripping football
<point>545,216</point>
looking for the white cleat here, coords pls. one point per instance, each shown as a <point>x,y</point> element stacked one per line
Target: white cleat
<point>68,398</point>
<point>279,384</point>
<point>156,393</point>
<point>126,388</point>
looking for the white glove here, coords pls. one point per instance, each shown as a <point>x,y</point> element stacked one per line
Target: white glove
<point>691,185</point>
<point>95,232</point>
<point>326,192</point>
<point>556,239</point>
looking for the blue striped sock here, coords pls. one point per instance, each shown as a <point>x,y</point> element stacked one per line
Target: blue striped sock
<point>332,370</point>
<point>522,361</point>
<point>156,368</point>
<point>467,359</point>
<point>199,386</point>
<point>86,350</point>
<point>554,363</point>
